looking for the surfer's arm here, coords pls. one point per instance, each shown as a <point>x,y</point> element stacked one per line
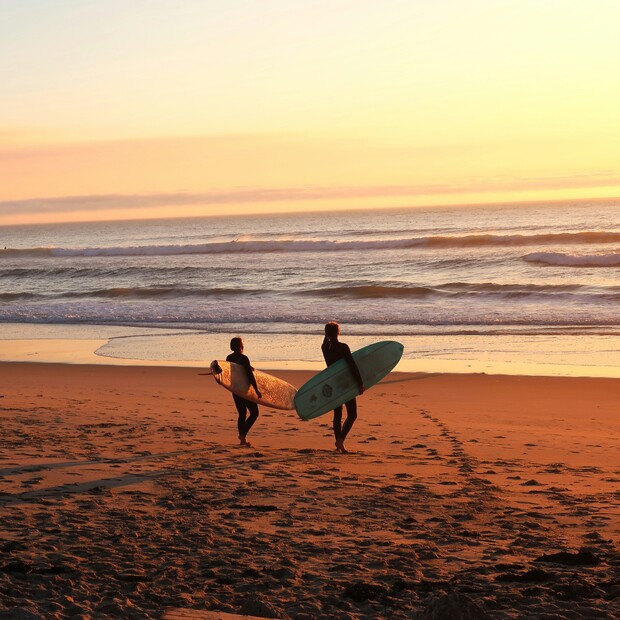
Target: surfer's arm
<point>354,369</point>
<point>324,349</point>
<point>250,372</point>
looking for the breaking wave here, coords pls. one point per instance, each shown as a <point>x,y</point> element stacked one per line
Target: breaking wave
<point>293,245</point>
<point>388,291</point>
<point>146,293</point>
<point>467,289</point>
<point>574,260</point>
<point>158,292</point>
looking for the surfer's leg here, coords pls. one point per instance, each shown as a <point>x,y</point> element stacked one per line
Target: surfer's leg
<point>338,425</point>
<point>242,406</point>
<point>253,409</point>
<point>351,417</point>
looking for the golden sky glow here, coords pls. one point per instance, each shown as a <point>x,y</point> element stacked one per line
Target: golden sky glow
<point>119,109</point>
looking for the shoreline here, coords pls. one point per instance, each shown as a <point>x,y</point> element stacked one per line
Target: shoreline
<point>124,492</point>
<point>287,367</point>
<point>84,350</point>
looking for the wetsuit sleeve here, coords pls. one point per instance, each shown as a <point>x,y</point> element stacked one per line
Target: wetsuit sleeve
<point>352,365</point>
<point>245,362</point>
<point>324,349</point>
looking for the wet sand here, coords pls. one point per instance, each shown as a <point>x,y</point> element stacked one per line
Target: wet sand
<point>123,494</point>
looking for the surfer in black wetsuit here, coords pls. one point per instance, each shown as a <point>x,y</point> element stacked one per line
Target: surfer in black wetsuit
<point>334,350</point>
<point>243,406</point>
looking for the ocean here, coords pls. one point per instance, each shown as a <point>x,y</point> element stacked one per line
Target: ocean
<point>513,288</point>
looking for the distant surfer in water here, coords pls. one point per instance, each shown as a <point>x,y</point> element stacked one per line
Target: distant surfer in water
<point>334,350</point>
<point>244,424</point>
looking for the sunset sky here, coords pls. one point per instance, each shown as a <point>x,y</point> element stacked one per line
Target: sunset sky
<point>122,109</point>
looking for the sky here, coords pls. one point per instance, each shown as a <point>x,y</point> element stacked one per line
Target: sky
<point>154,108</point>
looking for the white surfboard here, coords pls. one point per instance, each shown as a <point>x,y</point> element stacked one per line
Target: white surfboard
<point>275,392</point>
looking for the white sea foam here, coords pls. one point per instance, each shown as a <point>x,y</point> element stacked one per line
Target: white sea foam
<point>574,260</point>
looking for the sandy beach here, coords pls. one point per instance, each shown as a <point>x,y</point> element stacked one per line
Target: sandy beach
<point>123,494</point>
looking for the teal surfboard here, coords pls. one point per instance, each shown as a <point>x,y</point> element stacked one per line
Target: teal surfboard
<point>336,385</point>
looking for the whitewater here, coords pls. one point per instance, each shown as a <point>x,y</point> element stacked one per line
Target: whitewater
<point>292,245</point>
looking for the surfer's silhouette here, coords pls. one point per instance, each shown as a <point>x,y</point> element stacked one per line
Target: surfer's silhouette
<point>334,350</point>
<point>244,424</point>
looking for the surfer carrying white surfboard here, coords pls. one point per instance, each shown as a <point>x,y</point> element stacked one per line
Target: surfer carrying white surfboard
<point>244,424</point>
<point>334,350</point>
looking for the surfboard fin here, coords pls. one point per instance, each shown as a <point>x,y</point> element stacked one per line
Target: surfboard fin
<point>216,369</point>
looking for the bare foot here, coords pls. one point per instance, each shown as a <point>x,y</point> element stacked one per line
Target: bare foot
<point>340,447</point>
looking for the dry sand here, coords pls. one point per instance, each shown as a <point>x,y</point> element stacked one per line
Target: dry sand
<point>123,494</point>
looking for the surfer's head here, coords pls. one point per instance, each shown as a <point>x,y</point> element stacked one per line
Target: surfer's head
<point>236,344</point>
<point>332,330</point>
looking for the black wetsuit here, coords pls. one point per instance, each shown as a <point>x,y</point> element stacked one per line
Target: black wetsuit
<point>243,406</point>
<point>334,350</point>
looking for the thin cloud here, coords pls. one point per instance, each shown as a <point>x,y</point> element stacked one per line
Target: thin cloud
<point>67,204</point>
<point>104,202</point>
